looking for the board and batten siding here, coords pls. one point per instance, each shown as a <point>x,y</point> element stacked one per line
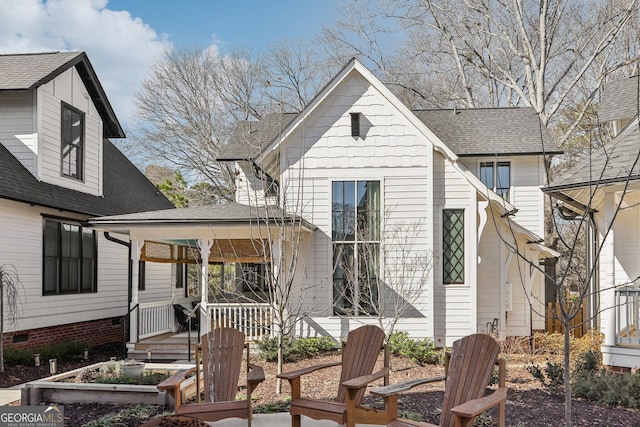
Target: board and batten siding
<point>68,88</point>
<point>24,224</point>
<point>320,151</point>
<point>17,128</point>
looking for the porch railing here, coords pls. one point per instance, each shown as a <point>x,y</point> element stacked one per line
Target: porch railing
<point>628,316</point>
<point>155,318</point>
<point>254,320</point>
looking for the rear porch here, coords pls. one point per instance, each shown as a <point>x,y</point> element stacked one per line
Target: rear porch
<point>160,337</point>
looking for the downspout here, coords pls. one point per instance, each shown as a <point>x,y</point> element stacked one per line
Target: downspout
<point>129,284</point>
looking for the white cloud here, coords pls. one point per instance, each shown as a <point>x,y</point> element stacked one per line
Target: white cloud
<point>121,48</point>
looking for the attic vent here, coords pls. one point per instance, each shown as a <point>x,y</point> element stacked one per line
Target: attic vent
<point>355,124</point>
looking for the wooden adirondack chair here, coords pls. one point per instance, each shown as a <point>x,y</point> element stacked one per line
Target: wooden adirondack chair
<point>221,358</point>
<point>467,376</point>
<point>359,356</point>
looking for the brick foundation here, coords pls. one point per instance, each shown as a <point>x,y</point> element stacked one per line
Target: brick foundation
<point>94,332</point>
<point>619,370</point>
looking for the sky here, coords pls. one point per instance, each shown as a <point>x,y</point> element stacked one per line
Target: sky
<point>123,38</point>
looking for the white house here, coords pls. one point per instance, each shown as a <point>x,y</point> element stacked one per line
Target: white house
<point>606,189</point>
<point>57,170</point>
<point>462,185</point>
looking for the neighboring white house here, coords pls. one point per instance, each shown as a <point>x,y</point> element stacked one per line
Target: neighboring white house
<point>467,182</point>
<point>606,187</point>
<point>57,170</point>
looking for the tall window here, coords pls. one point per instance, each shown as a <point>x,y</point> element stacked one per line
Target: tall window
<point>453,246</point>
<point>497,176</point>
<point>70,258</point>
<point>72,142</point>
<point>355,207</point>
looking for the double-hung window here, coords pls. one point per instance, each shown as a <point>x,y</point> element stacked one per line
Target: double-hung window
<point>497,176</point>
<point>355,215</point>
<point>72,142</point>
<point>70,258</point>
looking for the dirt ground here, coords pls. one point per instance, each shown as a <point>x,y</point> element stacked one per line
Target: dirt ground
<point>528,403</point>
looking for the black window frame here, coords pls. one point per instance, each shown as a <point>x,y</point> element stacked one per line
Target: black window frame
<point>453,274</point>
<point>63,232</point>
<point>66,140</point>
<point>501,189</point>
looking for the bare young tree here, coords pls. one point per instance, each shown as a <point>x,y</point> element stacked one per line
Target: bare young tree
<point>10,302</point>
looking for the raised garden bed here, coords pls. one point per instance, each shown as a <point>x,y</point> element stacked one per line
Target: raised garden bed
<point>64,388</point>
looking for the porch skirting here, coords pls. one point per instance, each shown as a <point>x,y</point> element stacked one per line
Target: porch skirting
<point>94,332</point>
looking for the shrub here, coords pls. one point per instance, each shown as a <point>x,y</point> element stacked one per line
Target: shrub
<point>588,362</point>
<point>268,349</point>
<point>420,351</point>
<point>553,375</point>
<point>17,356</point>
<point>607,388</point>
<point>298,348</point>
<point>64,350</point>
<point>313,346</point>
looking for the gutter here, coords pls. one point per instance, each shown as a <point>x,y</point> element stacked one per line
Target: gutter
<point>129,280</point>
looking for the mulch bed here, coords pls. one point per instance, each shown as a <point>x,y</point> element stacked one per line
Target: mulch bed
<point>528,403</point>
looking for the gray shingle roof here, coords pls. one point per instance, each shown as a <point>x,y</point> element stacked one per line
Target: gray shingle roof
<point>27,71</point>
<point>471,132</point>
<point>490,131</point>
<point>619,100</point>
<point>250,137</point>
<point>227,213</point>
<point>617,162</point>
<point>125,188</point>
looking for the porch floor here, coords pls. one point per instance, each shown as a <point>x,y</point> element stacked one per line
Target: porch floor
<point>165,347</point>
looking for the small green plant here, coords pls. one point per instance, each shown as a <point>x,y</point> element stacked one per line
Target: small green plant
<point>268,349</point>
<point>139,412</point>
<point>553,375</point>
<point>588,362</point>
<point>422,352</point>
<point>107,420</point>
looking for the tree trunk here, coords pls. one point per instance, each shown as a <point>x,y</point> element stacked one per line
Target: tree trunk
<point>280,363</point>
<point>567,375</point>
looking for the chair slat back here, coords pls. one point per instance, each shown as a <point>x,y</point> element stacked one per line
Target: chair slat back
<point>359,356</point>
<point>470,367</point>
<point>221,363</point>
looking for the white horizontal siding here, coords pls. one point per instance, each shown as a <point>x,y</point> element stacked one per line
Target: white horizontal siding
<point>17,131</point>
<point>23,224</point>
<point>158,283</point>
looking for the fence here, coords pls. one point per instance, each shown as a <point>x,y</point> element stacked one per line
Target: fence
<point>577,325</point>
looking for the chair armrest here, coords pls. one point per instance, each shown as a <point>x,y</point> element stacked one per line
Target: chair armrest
<point>300,372</point>
<point>475,407</point>
<point>403,386</point>
<point>176,379</point>
<point>256,374</point>
<point>362,381</point>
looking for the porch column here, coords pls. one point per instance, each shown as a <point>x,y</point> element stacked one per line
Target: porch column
<point>608,271</point>
<point>136,249</point>
<point>205,314</point>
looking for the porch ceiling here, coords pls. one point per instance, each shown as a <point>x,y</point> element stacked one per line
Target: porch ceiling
<point>222,250</point>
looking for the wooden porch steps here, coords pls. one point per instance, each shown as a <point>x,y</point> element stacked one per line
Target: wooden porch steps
<point>165,347</point>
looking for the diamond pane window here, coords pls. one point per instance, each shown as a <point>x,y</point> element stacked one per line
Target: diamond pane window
<point>453,246</point>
